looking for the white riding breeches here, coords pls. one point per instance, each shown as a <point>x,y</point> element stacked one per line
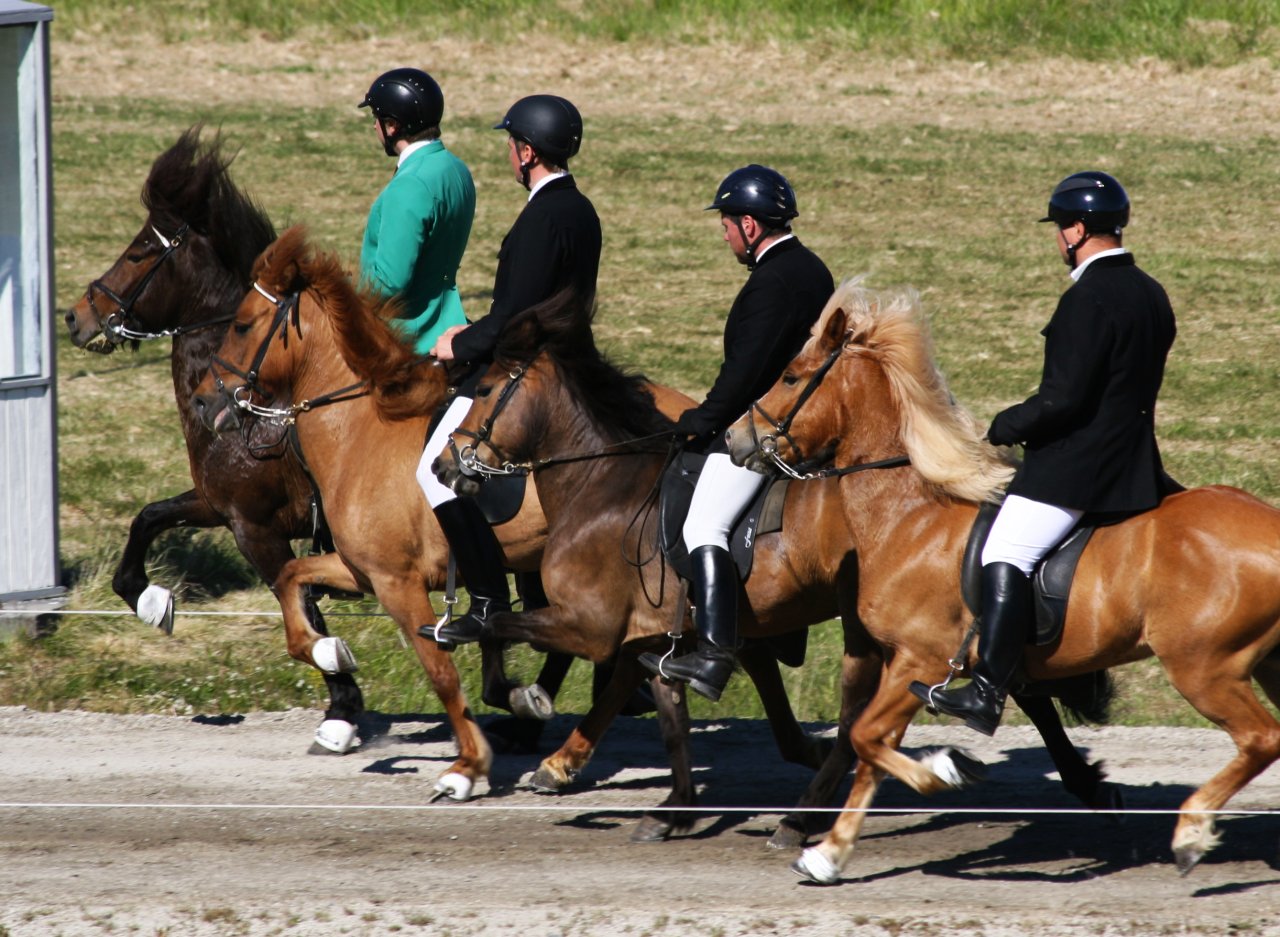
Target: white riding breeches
<point>1025,530</point>
<point>723,492</point>
<point>437,494</point>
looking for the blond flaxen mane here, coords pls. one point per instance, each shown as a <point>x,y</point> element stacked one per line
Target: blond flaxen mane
<point>942,438</point>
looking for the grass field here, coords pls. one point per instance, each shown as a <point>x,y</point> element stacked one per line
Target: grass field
<point>922,149</point>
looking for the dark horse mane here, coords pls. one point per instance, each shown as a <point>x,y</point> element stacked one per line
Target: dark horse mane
<point>189,183</point>
<point>618,403</point>
<point>403,383</point>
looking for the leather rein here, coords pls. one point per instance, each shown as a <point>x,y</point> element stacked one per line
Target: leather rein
<point>470,463</point>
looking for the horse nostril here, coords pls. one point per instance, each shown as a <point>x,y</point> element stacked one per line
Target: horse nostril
<point>70,319</point>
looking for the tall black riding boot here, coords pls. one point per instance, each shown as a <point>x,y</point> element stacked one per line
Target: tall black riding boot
<point>479,557</point>
<point>1006,621</point>
<point>714,590</point>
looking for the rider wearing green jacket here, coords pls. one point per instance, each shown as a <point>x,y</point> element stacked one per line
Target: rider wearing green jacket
<point>419,224</point>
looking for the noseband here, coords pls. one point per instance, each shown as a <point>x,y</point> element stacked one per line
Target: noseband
<point>120,326</point>
<point>767,445</point>
<point>242,396</point>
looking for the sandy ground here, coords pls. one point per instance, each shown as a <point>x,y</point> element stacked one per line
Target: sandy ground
<point>210,826</point>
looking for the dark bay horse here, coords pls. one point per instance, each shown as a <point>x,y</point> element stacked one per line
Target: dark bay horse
<point>290,341</point>
<point>596,447</point>
<point>1195,582</point>
<point>182,277</point>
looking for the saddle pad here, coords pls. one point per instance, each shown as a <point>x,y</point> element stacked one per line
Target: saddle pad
<point>1051,582</point>
<point>763,515</point>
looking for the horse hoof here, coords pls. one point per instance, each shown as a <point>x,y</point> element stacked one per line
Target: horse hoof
<point>787,836</point>
<point>1110,798</point>
<point>155,607</point>
<point>545,781</point>
<point>1187,858</point>
<point>333,655</point>
<point>816,867</point>
<point>455,786</point>
<point>651,830</point>
<point>531,702</point>
<point>335,737</point>
<point>955,767</point>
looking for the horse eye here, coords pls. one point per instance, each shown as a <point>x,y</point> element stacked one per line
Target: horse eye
<point>484,390</point>
<point>790,379</point>
<point>242,328</point>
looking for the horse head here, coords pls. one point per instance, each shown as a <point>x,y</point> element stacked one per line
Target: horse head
<point>263,350</point>
<point>191,255</point>
<point>866,388</point>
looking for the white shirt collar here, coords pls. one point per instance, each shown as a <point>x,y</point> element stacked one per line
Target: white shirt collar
<point>768,247</point>
<point>537,186</point>
<point>1078,272</point>
<point>413,148</point>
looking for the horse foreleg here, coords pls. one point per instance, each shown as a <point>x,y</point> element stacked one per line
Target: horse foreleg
<point>407,601</point>
<point>859,678</point>
<point>560,768</point>
<point>824,862</point>
<point>673,720</point>
<point>130,581</point>
<point>1085,781</point>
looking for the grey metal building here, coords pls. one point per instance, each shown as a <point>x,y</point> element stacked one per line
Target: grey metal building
<point>29,568</point>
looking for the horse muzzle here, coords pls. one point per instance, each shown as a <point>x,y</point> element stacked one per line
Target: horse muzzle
<point>216,410</point>
<point>450,473</point>
<point>745,451</point>
<point>85,328</point>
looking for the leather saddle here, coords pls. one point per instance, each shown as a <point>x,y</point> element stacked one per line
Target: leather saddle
<point>763,516</point>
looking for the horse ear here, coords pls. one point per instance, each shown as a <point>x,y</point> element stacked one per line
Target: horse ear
<point>833,333</point>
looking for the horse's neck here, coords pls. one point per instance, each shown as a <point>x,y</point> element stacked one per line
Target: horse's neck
<point>584,487</point>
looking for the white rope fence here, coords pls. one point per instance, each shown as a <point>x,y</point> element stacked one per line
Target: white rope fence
<point>480,806</point>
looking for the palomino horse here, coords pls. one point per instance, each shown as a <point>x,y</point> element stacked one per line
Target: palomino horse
<point>596,448</point>
<point>1195,582</point>
<point>387,541</point>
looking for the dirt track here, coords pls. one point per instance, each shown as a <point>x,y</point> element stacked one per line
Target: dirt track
<point>233,860</point>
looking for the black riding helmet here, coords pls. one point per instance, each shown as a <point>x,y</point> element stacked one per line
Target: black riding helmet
<point>758,191</point>
<point>1095,198</point>
<point>549,124</point>
<point>410,97</point>
<point>764,194</point>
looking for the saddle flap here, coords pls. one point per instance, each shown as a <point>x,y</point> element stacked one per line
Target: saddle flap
<point>762,516</point>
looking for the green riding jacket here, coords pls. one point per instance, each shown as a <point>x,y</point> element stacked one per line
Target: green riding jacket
<point>414,240</point>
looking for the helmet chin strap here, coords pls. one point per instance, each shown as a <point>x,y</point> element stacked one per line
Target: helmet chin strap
<point>389,141</point>
<point>750,258</point>
<point>1072,248</point>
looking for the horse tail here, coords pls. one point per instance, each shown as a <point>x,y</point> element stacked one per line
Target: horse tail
<point>1086,698</point>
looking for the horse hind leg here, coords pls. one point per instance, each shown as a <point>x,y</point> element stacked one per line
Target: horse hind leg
<point>308,641</point>
<point>673,720</point>
<point>1082,779</point>
<point>1228,701</point>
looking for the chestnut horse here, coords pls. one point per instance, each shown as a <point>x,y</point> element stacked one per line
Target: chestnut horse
<point>1194,582</point>
<point>182,277</point>
<point>297,348</point>
<point>596,448</point>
